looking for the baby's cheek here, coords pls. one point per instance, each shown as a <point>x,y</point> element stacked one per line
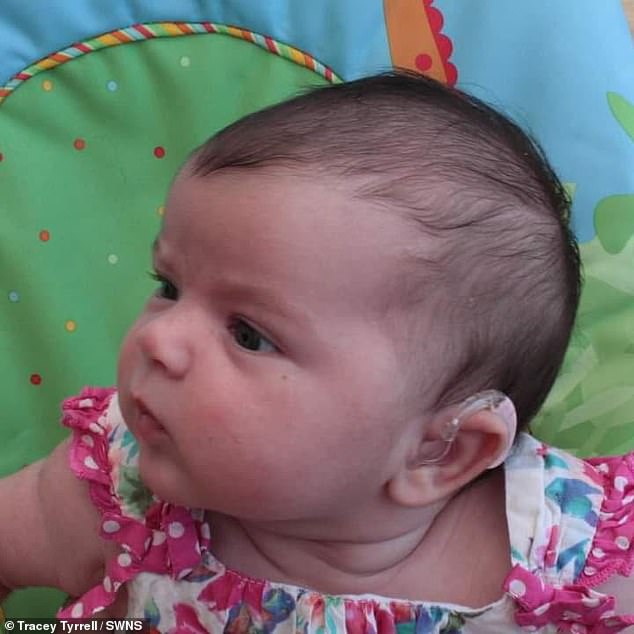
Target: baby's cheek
<point>126,356</point>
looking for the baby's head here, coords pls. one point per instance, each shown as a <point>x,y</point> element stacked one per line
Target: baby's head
<point>491,275</point>
<point>378,251</point>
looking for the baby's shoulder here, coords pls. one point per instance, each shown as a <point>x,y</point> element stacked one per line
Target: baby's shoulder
<point>621,588</point>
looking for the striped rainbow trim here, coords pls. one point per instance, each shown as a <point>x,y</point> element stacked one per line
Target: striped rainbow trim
<point>139,32</point>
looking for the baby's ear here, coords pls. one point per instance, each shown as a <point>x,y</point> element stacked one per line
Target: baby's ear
<point>480,440</point>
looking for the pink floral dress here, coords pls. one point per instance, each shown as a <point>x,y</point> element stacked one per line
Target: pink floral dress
<point>571,525</point>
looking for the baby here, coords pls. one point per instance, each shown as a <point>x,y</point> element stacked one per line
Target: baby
<point>364,296</point>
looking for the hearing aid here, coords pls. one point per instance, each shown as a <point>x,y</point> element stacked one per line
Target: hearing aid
<point>491,400</point>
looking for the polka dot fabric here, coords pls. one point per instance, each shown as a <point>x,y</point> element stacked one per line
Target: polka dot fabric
<point>612,550</point>
<point>573,609</point>
<point>575,517</point>
<point>154,536</point>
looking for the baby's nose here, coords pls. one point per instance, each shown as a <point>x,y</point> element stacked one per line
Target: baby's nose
<point>167,341</point>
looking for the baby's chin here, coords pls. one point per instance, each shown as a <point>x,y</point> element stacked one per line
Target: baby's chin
<point>162,475</point>
<point>159,474</point>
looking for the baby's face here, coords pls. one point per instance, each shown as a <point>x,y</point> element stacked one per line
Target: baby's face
<point>263,378</point>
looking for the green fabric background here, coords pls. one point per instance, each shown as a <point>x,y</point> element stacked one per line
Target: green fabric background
<point>591,408</point>
<point>100,206</point>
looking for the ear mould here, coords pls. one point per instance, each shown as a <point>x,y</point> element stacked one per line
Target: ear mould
<point>492,400</point>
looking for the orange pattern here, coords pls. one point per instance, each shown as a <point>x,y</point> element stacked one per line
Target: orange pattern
<point>416,42</point>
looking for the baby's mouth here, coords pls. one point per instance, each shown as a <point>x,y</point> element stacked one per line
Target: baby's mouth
<point>147,426</point>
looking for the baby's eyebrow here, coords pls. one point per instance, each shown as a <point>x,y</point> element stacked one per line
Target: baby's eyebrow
<point>257,295</point>
<point>264,298</point>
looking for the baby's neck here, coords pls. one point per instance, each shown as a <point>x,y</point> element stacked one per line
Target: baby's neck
<point>467,533</point>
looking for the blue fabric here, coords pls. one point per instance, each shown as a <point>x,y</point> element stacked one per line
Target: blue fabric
<point>349,36</point>
<point>550,65</point>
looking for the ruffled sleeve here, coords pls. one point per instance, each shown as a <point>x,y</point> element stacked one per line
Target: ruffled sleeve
<point>573,608</point>
<point>153,536</point>
<point>612,549</point>
<point>577,607</point>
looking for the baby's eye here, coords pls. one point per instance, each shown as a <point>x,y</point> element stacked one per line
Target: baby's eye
<point>248,337</point>
<point>166,289</point>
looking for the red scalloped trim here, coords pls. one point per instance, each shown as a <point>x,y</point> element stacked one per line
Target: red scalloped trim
<point>443,43</point>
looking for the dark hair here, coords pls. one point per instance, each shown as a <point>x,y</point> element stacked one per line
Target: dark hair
<point>503,275</point>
